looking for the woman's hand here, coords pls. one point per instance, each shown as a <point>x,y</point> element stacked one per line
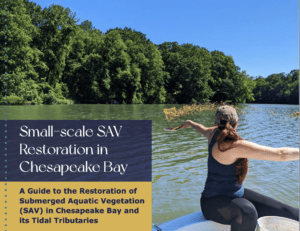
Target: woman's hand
<point>187,124</point>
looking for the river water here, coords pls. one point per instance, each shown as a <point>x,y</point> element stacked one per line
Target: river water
<point>179,159</point>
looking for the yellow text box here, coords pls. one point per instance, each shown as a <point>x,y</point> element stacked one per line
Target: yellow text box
<point>58,206</point>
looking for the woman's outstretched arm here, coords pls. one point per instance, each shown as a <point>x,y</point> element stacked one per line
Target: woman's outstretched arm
<point>289,154</point>
<point>199,127</point>
<point>247,149</point>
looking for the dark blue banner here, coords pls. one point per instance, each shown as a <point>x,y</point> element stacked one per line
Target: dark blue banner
<point>75,150</point>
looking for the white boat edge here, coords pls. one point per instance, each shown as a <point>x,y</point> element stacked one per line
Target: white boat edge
<point>194,221</point>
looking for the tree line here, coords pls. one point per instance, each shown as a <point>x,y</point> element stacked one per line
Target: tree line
<point>51,58</point>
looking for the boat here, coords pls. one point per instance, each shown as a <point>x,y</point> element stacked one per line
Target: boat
<point>194,221</point>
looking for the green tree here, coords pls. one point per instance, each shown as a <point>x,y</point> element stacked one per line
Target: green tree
<point>54,41</point>
<point>229,82</point>
<point>244,90</point>
<point>87,25</point>
<point>260,89</point>
<point>189,70</point>
<point>225,77</point>
<point>147,67</point>
<point>105,74</point>
<point>20,58</point>
<point>278,88</point>
<point>83,43</point>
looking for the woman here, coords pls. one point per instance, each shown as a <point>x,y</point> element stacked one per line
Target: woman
<point>224,199</point>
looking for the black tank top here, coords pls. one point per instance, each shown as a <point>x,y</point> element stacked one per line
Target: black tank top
<point>221,179</point>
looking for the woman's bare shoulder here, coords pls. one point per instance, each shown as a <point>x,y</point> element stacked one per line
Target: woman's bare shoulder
<point>247,149</point>
<point>210,131</point>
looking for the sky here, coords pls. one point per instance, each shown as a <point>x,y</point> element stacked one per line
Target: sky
<point>262,36</point>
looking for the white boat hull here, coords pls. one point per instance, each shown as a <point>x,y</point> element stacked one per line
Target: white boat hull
<point>194,221</point>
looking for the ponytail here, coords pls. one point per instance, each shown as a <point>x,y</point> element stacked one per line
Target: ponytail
<point>227,132</point>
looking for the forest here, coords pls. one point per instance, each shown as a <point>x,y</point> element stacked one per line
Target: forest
<point>49,57</point>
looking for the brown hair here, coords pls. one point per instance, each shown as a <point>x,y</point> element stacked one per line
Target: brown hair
<point>228,134</point>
